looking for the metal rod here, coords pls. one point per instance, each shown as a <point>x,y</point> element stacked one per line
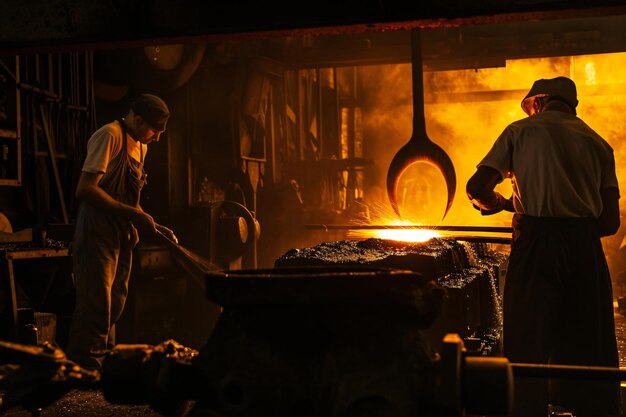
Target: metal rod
<point>489,229</point>
<point>568,371</point>
<point>8,70</point>
<point>484,239</point>
<point>37,90</point>
<point>27,87</point>
<point>194,264</point>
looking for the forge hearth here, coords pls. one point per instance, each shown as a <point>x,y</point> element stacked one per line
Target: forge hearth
<point>433,259</point>
<point>469,271</point>
<point>321,341</point>
<point>345,327</point>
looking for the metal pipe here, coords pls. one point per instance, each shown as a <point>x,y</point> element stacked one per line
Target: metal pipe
<point>568,371</point>
<point>489,229</point>
<point>483,239</point>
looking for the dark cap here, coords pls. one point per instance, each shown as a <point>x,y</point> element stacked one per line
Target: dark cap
<point>561,87</point>
<point>153,110</point>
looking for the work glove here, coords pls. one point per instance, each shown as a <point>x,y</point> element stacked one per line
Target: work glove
<point>502,203</point>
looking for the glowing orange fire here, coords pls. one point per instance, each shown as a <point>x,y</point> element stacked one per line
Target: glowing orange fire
<point>402,235</point>
<point>465,112</point>
<point>406,235</point>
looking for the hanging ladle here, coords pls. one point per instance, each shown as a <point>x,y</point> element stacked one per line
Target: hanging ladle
<point>419,148</point>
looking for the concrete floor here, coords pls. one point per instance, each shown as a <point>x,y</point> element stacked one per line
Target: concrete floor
<point>85,403</point>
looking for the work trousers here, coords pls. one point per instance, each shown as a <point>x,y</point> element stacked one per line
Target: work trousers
<point>102,258</point>
<point>558,309</point>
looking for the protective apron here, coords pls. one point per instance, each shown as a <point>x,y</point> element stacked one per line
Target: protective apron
<point>102,257</point>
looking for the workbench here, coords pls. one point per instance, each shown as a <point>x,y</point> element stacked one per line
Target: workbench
<point>13,253</point>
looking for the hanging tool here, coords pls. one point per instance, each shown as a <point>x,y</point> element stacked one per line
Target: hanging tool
<point>419,148</point>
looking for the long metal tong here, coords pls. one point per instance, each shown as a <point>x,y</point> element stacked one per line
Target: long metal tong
<point>194,264</point>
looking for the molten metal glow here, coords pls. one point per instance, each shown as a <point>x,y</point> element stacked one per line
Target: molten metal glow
<point>400,235</point>
<point>406,235</point>
<point>465,122</point>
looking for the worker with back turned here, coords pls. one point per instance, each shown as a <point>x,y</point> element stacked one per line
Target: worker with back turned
<point>558,301</point>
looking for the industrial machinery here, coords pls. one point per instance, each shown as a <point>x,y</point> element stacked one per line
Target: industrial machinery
<point>317,341</point>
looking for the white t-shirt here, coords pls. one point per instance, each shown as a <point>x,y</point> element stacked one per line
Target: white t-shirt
<point>557,165</point>
<point>105,144</point>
